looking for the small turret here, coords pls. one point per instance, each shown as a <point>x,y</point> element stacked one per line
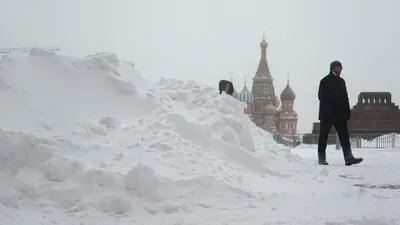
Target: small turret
<point>288,94</point>
<point>269,110</point>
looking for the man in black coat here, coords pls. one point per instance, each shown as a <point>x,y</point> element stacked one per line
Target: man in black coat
<point>334,110</point>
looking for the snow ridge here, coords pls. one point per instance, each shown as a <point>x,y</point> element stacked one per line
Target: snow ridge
<point>83,134</point>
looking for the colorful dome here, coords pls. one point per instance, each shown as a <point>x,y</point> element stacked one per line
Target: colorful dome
<point>269,110</point>
<point>245,96</point>
<point>288,94</point>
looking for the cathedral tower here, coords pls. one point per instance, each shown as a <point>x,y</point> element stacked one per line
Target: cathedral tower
<point>287,117</point>
<point>263,88</point>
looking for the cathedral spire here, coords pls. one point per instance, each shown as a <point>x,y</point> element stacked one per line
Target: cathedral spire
<point>263,71</point>
<point>234,94</point>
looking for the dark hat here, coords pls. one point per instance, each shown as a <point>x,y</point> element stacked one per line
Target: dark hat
<point>335,64</point>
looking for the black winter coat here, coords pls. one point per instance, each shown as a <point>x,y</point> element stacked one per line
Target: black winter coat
<point>334,103</point>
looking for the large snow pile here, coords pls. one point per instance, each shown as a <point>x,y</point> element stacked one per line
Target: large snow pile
<point>89,140</point>
<point>84,134</point>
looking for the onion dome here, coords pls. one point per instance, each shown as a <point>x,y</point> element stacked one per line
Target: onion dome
<point>269,110</point>
<point>288,94</point>
<point>245,96</point>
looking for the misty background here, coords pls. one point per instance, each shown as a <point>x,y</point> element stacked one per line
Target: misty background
<point>207,40</point>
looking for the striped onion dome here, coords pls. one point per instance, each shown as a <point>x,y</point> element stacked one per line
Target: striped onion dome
<point>245,96</point>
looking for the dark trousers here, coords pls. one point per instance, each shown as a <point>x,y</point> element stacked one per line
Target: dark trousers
<point>343,133</point>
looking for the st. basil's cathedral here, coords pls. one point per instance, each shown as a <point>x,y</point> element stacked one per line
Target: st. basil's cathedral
<point>264,107</point>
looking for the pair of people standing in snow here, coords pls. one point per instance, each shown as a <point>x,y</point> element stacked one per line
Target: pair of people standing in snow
<point>226,86</point>
<point>334,110</point>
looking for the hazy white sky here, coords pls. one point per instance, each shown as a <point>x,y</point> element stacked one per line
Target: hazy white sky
<point>206,40</point>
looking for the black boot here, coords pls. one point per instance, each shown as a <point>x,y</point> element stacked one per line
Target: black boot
<point>349,159</point>
<point>352,161</point>
<point>322,159</point>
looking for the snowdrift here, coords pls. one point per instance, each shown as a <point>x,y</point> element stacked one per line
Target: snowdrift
<point>91,134</point>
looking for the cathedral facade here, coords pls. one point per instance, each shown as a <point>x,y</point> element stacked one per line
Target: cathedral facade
<point>267,110</point>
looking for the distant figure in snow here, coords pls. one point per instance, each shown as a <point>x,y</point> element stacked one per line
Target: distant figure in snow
<point>334,110</point>
<point>226,86</point>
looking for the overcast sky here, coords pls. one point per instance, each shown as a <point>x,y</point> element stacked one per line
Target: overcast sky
<point>206,40</point>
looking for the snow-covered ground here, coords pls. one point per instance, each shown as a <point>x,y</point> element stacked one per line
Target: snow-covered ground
<point>90,141</point>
